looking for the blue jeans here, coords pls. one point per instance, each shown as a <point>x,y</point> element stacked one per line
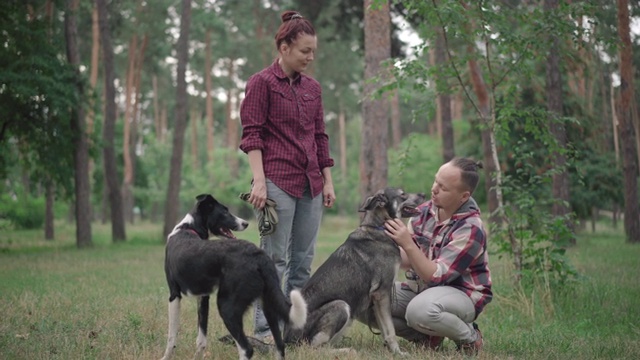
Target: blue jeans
<point>292,245</point>
<point>436,311</point>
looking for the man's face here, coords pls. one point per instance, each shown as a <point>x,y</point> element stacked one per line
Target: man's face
<point>448,192</point>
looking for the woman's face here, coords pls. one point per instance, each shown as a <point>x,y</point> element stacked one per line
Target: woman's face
<point>297,56</point>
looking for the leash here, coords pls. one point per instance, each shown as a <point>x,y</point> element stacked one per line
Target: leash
<point>267,216</point>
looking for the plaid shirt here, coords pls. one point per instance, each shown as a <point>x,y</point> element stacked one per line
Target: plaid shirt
<point>458,246</point>
<point>286,122</point>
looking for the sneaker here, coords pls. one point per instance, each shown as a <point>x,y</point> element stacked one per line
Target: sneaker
<point>473,348</point>
<point>433,343</point>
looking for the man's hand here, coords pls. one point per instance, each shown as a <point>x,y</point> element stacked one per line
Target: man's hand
<point>398,231</point>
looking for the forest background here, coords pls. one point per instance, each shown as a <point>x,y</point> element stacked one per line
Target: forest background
<point>124,111</point>
<point>116,114</point>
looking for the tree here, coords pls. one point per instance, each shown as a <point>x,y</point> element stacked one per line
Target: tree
<point>108,132</point>
<point>560,179</point>
<point>80,139</point>
<point>375,111</point>
<point>445,128</point>
<point>627,138</point>
<point>175,171</point>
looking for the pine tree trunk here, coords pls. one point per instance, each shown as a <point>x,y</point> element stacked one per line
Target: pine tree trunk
<point>209,99</point>
<point>560,178</point>
<point>490,166</point>
<point>108,132</point>
<point>194,139</point>
<point>48,211</point>
<point>175,173</point>
<point>444,104</point>
<point>629,161</point>
<point>156,107</point>
<point>232,124</point>
<point>81,140</point>
<point>375,112</point>
<point>127,182</point>
<point>342,136</point>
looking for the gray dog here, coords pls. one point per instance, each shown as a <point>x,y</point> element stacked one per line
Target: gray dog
<point>358,277</point>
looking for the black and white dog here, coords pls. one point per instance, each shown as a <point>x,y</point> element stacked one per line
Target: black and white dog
<point>240,271</point>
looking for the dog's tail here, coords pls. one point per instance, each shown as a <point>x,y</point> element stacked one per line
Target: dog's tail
<point>293,311</point>
<point>298,310</point>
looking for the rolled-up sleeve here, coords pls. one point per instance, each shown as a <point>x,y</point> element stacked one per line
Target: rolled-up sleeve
<point>322,141</point>
<point>253,113</point>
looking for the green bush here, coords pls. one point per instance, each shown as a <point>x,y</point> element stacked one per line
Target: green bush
<point>23,213</point>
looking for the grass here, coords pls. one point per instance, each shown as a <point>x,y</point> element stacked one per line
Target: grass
<point>110,302</point>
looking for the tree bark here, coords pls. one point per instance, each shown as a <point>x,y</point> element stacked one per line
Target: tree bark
<point>232,124</point>
<point>375,112</point>
<point>490,166</point>
<point>209,98</point>
<point>127,182</point>
<point>108,131</point>
<point>560,178</point>
<point>195,115</point>
<point>444,103</point>
<point>175,172</point>
<point>49,233</point>
<point>629,161</point>
<point>80,140</point>
<point>342,126</point>
<point>156,107</point>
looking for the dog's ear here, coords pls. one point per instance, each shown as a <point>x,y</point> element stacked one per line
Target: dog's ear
<point>204,199</point>
<point>377,200</point>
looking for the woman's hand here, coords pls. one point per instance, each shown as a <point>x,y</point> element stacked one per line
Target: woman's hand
<point>258,196</point>
<point>328,194</point>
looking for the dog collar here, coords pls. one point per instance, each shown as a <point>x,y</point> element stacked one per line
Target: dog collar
<point>375,227</point>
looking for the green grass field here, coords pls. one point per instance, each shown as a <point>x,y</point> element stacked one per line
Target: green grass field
<point>110,302</point>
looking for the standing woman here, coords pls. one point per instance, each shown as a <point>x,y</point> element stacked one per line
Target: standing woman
<point>283,133</point>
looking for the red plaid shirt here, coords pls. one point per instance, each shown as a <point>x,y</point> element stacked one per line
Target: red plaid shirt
<point>458,246</point>
<point>286,122</point>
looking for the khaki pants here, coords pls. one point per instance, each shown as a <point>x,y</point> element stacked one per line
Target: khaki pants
<point>436,311</point>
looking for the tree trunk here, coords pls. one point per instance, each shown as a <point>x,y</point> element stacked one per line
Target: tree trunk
<point>156,107</point>
<point>232,124</point>
<point>80,140</point>
<point>163,124</point>
<point>48,211</point>
<point>195,115</point>
<point>444,103</point>
<point>175,173</point>
<point>490,166</point>
<point>127,181</point>
<point>342,136</point>
<point>209,99</point>
<point>108,131</point>
<point>629,161</point>
<point>95,60</point>
<point>375,112</point>
<point>560,178</point>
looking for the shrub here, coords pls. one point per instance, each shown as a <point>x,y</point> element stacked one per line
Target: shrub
<point>23,213</point>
